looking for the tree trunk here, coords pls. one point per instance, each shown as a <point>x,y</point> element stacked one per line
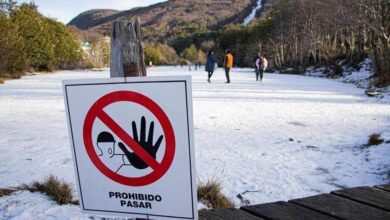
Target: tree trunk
<point>127,55</point>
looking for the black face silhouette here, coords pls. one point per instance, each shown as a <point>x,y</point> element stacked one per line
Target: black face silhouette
<point>105,144</point>
<point>147,145</point>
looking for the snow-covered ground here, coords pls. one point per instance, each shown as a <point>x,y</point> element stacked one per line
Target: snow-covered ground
<point>361,78</point>
<point>252,15</point>
<point>287,137</point>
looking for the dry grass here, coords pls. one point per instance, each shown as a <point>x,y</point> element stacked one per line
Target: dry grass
<point>6,192</point>
<point>210,194</point>
<point>7,76</point>
<point>57,190</point>
<point>374,140</point>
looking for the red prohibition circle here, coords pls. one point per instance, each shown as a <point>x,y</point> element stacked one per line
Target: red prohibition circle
<point>97,111</point>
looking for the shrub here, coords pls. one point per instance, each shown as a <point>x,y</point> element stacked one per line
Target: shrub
<point>59,191</point>
<point>210,194</point>
<point>6,192</point>
<point>374,139</point>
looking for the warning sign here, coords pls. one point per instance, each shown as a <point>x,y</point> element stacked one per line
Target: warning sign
<point>132,142</point>
<point>139,152</point>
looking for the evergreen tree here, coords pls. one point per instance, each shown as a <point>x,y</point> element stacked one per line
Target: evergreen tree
<point>64,44</point>
<point>35,35</point>
<point>7,6</point>
<point>12,57</point>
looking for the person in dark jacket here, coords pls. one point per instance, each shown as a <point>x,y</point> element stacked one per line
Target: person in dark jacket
<point>210,64</point>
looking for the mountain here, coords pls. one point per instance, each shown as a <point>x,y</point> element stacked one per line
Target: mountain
<point>91,18</point>
<point>171,19</point>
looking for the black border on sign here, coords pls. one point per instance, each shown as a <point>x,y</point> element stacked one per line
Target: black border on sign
<point>189,145</point>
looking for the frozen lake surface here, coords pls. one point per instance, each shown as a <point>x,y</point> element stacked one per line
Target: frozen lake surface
<point>287,137</point>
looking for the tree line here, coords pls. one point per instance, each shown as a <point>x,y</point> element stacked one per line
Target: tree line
<point>322,32</point>
<point>30,41</point>
<point>301,33</point>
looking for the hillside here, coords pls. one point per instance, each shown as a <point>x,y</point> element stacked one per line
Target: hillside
<point>173,18</point>
<point>93,17</point>
<point>90,18</point>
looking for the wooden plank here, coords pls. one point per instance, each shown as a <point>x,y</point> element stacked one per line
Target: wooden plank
<point>285,211</point>
<point>341,207</point>
<point>226,214</point>
<point>384,187</point>
<point>371,196</point>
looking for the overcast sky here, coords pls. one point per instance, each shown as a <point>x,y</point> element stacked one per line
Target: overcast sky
<point>65,10</point>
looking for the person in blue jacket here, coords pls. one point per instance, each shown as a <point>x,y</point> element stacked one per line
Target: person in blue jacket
<point>210,64</point>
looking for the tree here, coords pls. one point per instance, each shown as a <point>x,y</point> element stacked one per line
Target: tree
<point>160,54</point>
<point>7,6</point>
<point>65,45</point>
<point>12,57</point>
<point>35,37</point>
<point>153,54</point>
<point>191,53</point>
<point>376,20</point>
<point>169,54</point>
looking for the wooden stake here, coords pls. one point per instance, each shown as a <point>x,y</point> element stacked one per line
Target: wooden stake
<point>127,53</point>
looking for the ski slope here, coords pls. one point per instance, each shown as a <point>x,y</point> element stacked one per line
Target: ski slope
<point>287,137</point>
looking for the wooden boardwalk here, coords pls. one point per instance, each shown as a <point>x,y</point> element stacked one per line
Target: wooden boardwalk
<point>365,203</point>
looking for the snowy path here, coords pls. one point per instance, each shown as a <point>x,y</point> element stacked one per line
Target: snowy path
<point>242,137</point>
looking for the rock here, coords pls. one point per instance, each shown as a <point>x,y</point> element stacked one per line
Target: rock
<point>372,92</point>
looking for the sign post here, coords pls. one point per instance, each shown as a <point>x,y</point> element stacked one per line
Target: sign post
<point>133,147</point>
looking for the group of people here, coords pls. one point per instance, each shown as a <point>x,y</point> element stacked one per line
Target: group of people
<point>261,64</point>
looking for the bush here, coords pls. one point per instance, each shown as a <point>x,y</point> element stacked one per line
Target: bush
<point>375,139</point>
<point>210,194</point>
<point>6,192</point>
<point>59,191</point>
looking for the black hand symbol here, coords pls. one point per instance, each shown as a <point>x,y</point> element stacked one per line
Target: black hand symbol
<point>147,145</point>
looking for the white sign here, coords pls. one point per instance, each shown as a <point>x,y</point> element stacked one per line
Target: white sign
<point>133,146</point>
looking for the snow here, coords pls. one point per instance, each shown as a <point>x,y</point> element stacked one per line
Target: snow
<point>252,15</point>
<point>26,205</point>
<point>362,78</point>
<point>287,137</point>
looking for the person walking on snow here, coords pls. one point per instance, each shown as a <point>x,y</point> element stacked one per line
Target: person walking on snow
<point>228,64</point>
<point>210,64</point>
<point>189,65</point>
<point>256,66</point>
<point>261,66</point>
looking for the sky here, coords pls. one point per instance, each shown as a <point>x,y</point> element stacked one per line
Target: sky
<point>65,10</point>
